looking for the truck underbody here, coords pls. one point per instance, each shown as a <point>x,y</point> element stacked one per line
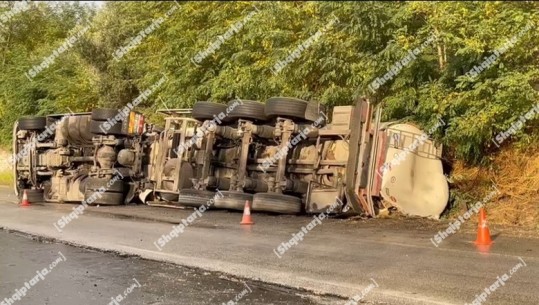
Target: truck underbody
<point>284,156</point>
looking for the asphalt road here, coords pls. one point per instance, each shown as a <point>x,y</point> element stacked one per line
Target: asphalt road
<point>82,276</point>
<point>338,257</point>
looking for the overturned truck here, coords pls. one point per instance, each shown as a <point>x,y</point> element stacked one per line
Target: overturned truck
<point>79,157</point>
<point>284,156</point>
<point>290,156</point>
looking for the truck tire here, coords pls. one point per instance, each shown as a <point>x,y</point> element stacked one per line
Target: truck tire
<point>33,123</point>
<point>85,133</point>
<point>232,200</point>
<point>103,114</point>
<point>195,198</point>
<point>34,195</point>
<point>286,107</point>
<point>315,112</point>
<point>203,111</point>
<point>73,131</point>
<point>170,197</point>
<point>276,203</point>
<point>247,110</point>
<point>92,183</point>
<point>116,129</point>
<point>106,198</point>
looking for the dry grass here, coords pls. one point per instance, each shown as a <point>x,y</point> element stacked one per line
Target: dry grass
<point>515,173</point>
<point>6,175</point>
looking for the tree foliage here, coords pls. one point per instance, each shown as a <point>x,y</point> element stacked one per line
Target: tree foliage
<point>367,40</point>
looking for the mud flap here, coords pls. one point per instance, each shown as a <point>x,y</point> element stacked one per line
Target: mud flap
<point>130,193</point>
<point>143,196</point>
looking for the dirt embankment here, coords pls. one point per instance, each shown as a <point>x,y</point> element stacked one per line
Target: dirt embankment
<point>511,180</point>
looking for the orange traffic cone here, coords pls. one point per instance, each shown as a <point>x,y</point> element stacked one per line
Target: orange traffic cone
<point>483,233</point>
<point>246,219</point>
<point>25,202</point>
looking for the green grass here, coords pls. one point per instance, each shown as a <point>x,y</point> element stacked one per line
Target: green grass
<point>6,177</point>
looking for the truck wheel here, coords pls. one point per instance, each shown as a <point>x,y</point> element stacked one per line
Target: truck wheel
<point>103,114</point>
<point>106,198</point>
<point>92,183</point>
<point>114,194</point>
<point>276,203</point>
<point>203,111</point>
<point>98,127</point>
<point>170,197</point>
<point>286,107</point>
<point>315,112</point>
<point>232,200</point>
<point>85,133</point>
<point>33,123</point>
<point>34,195</point>
<point>73,131</point>
<point>247,110</point>
<point>195,198</point>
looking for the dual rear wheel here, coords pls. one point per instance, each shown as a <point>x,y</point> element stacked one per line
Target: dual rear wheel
<point>276,203</point>
<point>101,191</point>
<point>234,200</point>
<point>101,122</point>
<point>226,114</point>
<point>257,112</point>
<point>33,123</point>
<point>196,198</point>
